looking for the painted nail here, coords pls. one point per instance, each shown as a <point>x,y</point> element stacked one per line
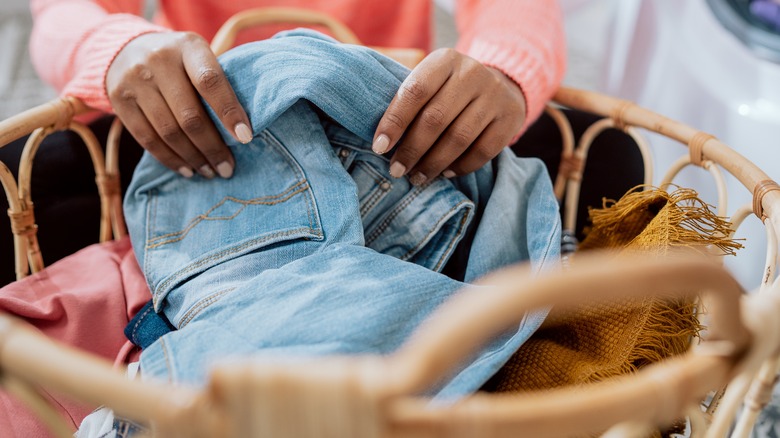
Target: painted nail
<point>418,179</point>
<point>448,174</point>
<point>185,172</point>
<point>206,171</point>
<point>243,132</point>
<point>225,169</point>
<point>397,170</point>
<point>381,144</point>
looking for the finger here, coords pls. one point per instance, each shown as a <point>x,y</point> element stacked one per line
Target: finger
<point>209,80</point>
<point>414,93</point>
<point>486,147</point>
<point>455,141</point>
<point>142,131</point>
<point>159,115</point>
<point>199,129</point>
<point>430,124</point>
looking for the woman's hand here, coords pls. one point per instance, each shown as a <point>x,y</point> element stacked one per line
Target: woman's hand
<point>454,113</point>
<point>153,85</point>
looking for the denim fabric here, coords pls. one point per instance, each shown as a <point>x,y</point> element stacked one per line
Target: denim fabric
<point>311,248</point>
<point>147,326</point>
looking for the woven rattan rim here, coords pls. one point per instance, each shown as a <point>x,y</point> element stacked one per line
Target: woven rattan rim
<point>761,189</point>
<point>618,115</point>
<point>696,147</point>
<point>65,113</point>
<point>108,185</point>
<point>23,222</point>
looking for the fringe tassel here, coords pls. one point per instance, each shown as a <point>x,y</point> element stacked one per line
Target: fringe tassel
<point>668,330</point>
<point>602,340</point>
<point>658,221</point>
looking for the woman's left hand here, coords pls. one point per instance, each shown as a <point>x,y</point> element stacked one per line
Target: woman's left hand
<point>454,114</point>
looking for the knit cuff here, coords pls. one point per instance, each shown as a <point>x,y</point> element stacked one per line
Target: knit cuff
<point>537,72</point>
<point>97,51</point>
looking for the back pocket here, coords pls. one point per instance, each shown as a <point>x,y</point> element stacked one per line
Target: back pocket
<point>194,224</point>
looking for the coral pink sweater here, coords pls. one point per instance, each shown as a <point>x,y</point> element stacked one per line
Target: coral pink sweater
<point>74,41</point>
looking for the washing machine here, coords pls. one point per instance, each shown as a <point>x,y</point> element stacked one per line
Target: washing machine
<point>712,65</point>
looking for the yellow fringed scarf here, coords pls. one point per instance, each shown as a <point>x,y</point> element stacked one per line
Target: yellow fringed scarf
<point>605,339</point>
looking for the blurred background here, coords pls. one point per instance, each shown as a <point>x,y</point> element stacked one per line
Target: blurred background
<point>20,88</point>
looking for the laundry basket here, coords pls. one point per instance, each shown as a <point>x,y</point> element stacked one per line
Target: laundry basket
<point>383,396</point>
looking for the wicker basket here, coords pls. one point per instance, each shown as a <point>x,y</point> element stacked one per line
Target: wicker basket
<point>379,397</point>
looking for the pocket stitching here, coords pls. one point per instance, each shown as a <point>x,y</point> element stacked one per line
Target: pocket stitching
<point>275,199</point>
<point>202,305</point>
<point>198,264</point>
<point>393,214</point>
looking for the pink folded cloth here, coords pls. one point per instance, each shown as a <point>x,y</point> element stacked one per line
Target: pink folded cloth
<point>84,300</point>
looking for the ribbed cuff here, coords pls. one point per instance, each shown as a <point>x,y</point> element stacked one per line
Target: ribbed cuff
<point>536,71</point>
<point>96,53</point>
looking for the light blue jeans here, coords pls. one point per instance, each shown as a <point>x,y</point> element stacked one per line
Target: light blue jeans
<point>311,248</point>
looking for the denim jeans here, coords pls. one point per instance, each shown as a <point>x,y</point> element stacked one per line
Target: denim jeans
<point>311,248</point>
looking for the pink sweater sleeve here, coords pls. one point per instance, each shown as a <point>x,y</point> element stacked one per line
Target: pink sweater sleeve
<point>73,42</point>
<point>522,38</point>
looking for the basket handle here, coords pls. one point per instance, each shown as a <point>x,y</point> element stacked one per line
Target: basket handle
<point>226,36</point>
<point>470,320</point>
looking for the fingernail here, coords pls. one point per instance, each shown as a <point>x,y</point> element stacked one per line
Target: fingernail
<point>397,170</point>
<point>185,172</point>
<point>418,179</point>
<point>243,132</point>
<point>448,174</point>
<point>381,144</point>
<point>206,171</point>
<point>225,169</point>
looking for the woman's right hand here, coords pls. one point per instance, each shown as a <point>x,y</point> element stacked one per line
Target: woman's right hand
<point>153,85</point>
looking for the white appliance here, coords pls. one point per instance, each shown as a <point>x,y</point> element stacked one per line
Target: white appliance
<point>712,72</point>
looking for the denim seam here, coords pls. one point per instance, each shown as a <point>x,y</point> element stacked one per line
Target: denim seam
<point>179,274</point>
<point>150,217</point>
<point>138,323</point>
<point>377,194</point>
<point>311,209</point>
<point>382,227</point>
<point>355,148</point>
<point>455,237</point>
<point>311,206</point>
<point>371,169</point>
<point>373,199</point>
<point>296,167</point>
<point>311,212</point>
<point>265,200</point>
<point>444,218</point>
<point>453,241</point>
<point>550,243</point>
<point>300,175</point>
<point>201,305</point>
<point>164,349</point>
